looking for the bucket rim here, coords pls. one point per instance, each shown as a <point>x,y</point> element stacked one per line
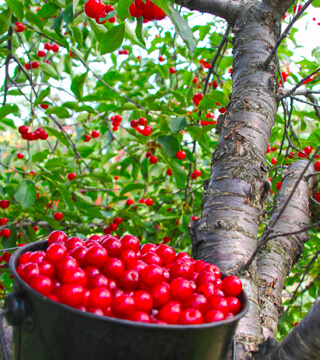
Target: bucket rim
<point>40,245</point>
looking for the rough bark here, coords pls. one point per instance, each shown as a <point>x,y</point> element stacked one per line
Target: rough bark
<point>276,259</point>
<point>226,9</point>
<point>235,195</point>
<point>303,342</point>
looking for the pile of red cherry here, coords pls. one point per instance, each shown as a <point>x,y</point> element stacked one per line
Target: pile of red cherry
<point>33,135</point>
<point>119,278</point>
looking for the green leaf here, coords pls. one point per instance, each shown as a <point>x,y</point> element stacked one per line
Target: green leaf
<point>42,95</point>
<point>26,193</point>
<point>77,85</point>
<point>139,30</point>
<point>179,175</point>
<point>32,237</point>
<point>316,3</point>
<point>179,22</point>
<point>48,10</point>
<point>17,8</point>
<point>57,23</point>
<point>113,39</point>
<point>5,18</point>
<point>33,19</point>
<point>40,156</point>
<point>77,34</point>
<point>169,144</point>
<point>8,109</point>
<point>123,7</point>
<point>49,70</point>
<point>8,122</point>
<point>74,5</point>
<point>65,194</point>
<point>60,111</point>
<point>178,124</point>
<point>209,100</point>
<point>61,137</point>
<point>131,187</point>
<point>68,14</point>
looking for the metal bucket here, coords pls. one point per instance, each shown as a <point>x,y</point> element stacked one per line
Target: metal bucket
<point>46,330</point>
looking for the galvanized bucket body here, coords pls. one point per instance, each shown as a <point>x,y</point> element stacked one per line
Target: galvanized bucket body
<point>47,330</point>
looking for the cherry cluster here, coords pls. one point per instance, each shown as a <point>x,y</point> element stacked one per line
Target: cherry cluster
<point>205,64</point>
<point>113,226</point>
<point>95,9</point>
<point>148,10</point>
<point>148,202</point>
<point>147,129</point>
<point>197,98</point>
<point>119,278</point>
<point>209,115</point>
<point>195,174</point>
<point>124,52</point>
<point>33,135</point>
<point>52,47</point>
<point>3,221</point>
<point>31,65</point>
<point>116,120</point>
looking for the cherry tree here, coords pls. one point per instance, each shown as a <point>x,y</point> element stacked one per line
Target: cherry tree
<point>122,134</point>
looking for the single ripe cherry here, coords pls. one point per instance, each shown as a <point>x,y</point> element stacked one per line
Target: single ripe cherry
<point>58,216</point>
<point>181,155</point>
<point>71,176</point>
<point>18,27</point>
<point>232,286</point>
<point>95,134</point>
<point>93,8</point>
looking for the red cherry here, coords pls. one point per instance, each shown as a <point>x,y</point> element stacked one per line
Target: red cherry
<point>41,53</point>
<point>130,242</point>
<point>55,252</point>
<point>48,46</point>
<point>170,312</point>
<point>42,284</point>
<point>58,216</point>
<point>128,257</point>
<point>134,123</point>
<point>57,236</point>
<point>161,58</point>
<point>196,301</point>
<point>6,233</point>
<point>317,196</point>
<point>166,253</point>
<point>213,269</point>
<point>79,253</point>
<point>152,275</point>
<point>43,135</point>
<point>113,246</point>
<point>74,276</point>
<point>98,280</point>
<point>18,27</point>
<point>123,306</point>
<point>194,218</point>
<point>274,161</point>
<point>95,134</point>
<point>207,290</point>
<point>71,176</point>
<point>37,256</point>
<point>100,297</point>
<point>278,185</point>
<point>24,258</point>
<point>4,204</point>
<point>180,289</point>
<point>148,248</point>
<point>182,268</point>
<point>117,220</point>
<point>147,131</point>
<point>151,258</point>
<point>93,8</point>
<point>44,106</point>
<point>181,155</point>
<point>113,227</point>
<point>143,301</point>
<point>161,294</point>
<point>140,316</point>
<point>65,263</point>
<point>96,255</point>
<point>29,271</point>
<point>191,316</point>
<point>205,277</point>
<point>317,166</point>
<point>23,129</point>
<point>169,172</point>
<point>27,66</point>
<point>232,286</point>
<point>134,11</point>
<point>213,316</point>
<point>129,280</point>
<point>143,5</point>
<point>234,305</point>
<point>73,242</point>
<point>113,268</point>
<point>129,202</point>
<point>149,202</point>
<point>153,159</point>
<point>172,70</point>
<point>71,294</point>
<point>34,64</point>
<point>88,138</point>
<point>219,304</point>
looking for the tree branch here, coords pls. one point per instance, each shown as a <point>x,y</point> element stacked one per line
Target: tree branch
<point>225,9</point>
<point>303,342</point>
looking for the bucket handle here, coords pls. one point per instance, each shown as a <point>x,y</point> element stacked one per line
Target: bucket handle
<point>3,344</point>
